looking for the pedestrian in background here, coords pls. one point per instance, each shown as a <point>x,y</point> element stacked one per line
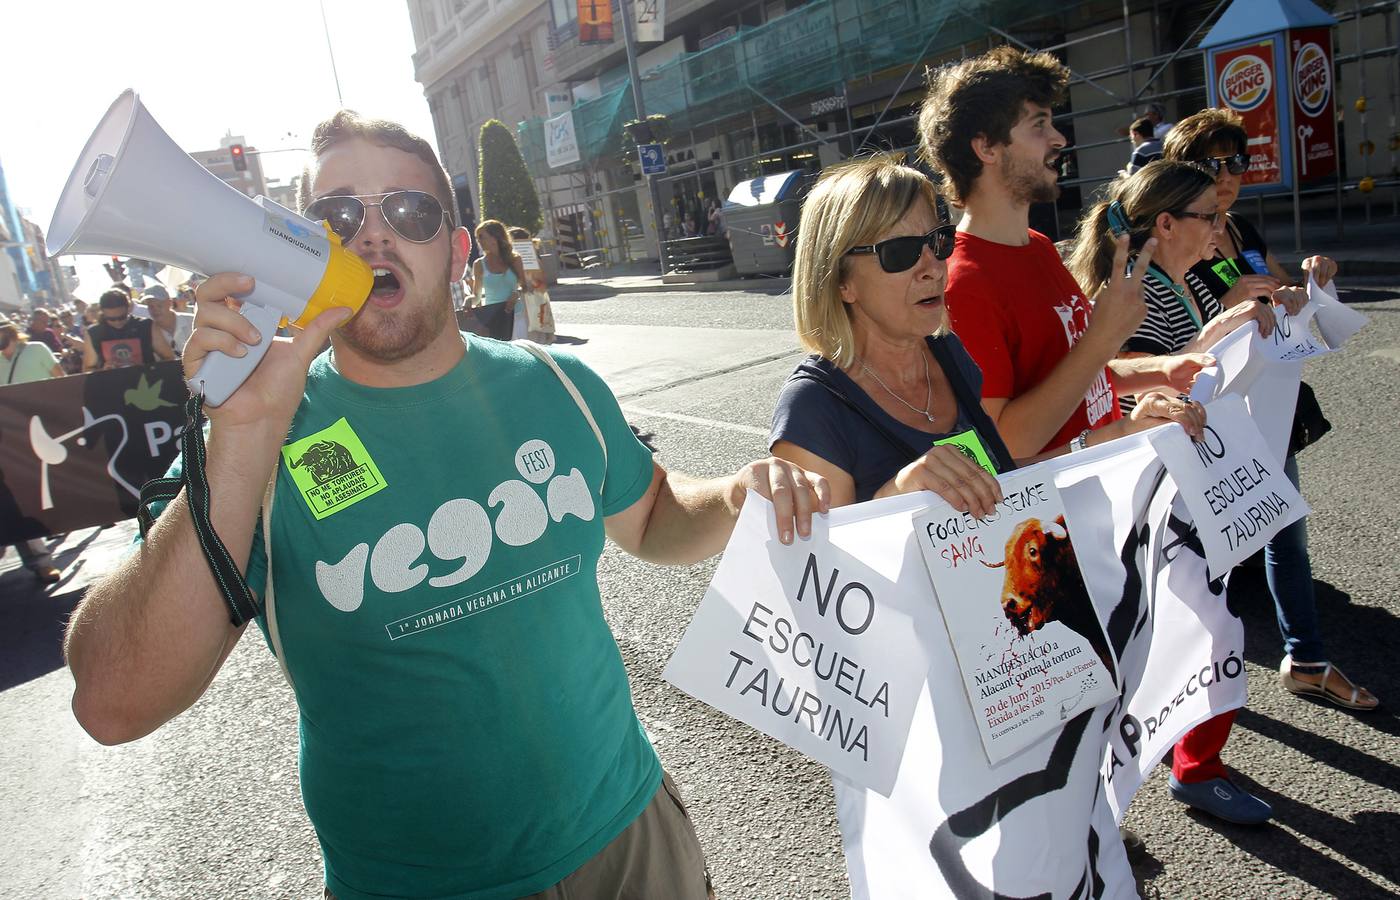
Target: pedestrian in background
<point>498,278</point>
<point>120,339</point>
<point>41,323</point>
<point>1146,148</point>
<point>170,326</point>
<point>23,361</point>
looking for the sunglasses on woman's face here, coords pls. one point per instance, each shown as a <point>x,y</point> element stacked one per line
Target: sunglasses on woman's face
<point>415,216</point>
<point>1235,165</point>
<point>902,253</point>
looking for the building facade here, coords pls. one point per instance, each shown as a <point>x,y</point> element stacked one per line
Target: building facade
<point>743,88</point>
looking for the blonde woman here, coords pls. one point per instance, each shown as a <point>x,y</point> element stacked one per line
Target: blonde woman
<point>886,378</point>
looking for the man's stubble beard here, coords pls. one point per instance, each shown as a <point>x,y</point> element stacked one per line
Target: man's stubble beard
<point>391,335</point>
<point>1026,181</point>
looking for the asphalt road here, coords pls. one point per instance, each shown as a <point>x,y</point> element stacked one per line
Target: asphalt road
<point>209,805</point>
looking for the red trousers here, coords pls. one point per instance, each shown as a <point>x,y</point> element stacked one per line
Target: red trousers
<point>1197,755</point>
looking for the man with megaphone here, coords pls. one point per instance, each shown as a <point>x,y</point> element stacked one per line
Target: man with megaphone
<point>420,515</point>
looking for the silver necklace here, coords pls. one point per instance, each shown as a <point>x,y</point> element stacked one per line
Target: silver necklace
<point>926,412</point>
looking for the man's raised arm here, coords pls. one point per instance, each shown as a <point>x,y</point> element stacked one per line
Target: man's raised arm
<point>146,640</point>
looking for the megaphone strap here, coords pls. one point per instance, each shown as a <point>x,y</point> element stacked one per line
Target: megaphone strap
<point>232,587</point>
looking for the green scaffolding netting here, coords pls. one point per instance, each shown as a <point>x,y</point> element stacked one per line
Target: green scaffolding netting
<point>817,47</point>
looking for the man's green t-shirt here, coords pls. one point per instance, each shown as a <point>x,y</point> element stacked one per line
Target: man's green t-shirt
<point>466,725</point>
<point>32,361</point>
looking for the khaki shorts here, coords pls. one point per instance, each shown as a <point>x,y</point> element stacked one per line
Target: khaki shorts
<point>658,855</point>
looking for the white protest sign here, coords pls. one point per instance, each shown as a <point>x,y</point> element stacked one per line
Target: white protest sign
<point>815,643</point>
<point>1292,338</point>
<point>1335,322</point>
<point>529,259</point>
<point>1231,483</point>
<point>1029,645</point>
<point>1244,366</point>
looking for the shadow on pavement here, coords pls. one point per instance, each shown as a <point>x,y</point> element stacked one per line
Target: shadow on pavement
<point>1354,763</point>
<point>569,339</point>
<point>1367,295</point>
<point>1364,840</point>
<point>580,293</point>
<point>31,626</point>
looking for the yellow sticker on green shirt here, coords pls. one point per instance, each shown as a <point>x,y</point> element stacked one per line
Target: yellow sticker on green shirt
<point>332,469</point>
<point>971,446</point>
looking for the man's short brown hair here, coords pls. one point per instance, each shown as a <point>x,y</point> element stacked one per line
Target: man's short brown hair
<point>985,95</point>
<point>1208,132</point>
<point>347,124</point>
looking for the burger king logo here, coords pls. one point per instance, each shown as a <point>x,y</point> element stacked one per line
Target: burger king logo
<point>1245,82</point>
<point>1312,79</point>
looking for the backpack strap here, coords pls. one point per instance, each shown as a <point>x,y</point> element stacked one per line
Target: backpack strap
<point>545,357</point>
<point>819,377</point>
<point>274,634</point>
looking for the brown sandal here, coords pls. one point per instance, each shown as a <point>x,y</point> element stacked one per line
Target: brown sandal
<point>1321,690</point>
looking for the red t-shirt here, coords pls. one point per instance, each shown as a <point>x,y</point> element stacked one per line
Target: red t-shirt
<point>1018,311</point>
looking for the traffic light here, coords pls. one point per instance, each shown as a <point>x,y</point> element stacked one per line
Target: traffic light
<point>117,269</point>
<point>240,163</point>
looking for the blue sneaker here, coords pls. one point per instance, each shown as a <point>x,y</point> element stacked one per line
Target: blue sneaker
<point>1223,799</point>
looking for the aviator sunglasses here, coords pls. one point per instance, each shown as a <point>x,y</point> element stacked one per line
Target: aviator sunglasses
<point>415,216</point>
<point>901,253</point>
<point>1235,165</point>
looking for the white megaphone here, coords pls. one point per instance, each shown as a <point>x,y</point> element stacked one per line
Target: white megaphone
<point>134,192</point>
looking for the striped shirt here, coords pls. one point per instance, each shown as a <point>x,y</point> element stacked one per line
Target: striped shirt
<point>1168,327</point>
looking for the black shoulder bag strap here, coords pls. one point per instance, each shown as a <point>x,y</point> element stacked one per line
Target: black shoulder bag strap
<point>237,596</point>
<point>19,351</point>
<point>895,440</point>
<point>981,422</point>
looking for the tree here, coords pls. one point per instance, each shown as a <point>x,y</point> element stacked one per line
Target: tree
<point>506,191</point>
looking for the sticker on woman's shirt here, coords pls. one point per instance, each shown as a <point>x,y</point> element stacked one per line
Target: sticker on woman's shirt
<point>1257,262</point>
<point>970,444</point>
<point>332,469</point>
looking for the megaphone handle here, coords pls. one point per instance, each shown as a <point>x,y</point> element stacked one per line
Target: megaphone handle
<point>220,374</point>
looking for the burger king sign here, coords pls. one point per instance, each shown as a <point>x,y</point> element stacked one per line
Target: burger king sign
<point>1246,82</point>
<point>1245,78</point>
<point>1312,78</point>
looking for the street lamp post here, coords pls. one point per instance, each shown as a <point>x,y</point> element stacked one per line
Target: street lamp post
<point>630,40</point>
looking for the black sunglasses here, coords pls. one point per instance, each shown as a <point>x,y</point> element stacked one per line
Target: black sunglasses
<point>1235,165</point>
<point>901,253</point>
<point>415,216</point>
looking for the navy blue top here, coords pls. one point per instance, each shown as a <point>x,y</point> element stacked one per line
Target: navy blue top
<point>810,417</point>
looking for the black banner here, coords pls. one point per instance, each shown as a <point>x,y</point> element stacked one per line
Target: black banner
<point>75,451</point>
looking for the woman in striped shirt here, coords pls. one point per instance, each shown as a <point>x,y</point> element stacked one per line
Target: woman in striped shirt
<point>1175,203</point>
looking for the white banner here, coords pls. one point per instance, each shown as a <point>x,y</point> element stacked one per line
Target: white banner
<point>560,143</point>
<point>651,20</point>
<point>814,643</point>
<point>1043,822</point>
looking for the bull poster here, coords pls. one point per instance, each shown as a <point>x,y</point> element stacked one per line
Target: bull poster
<point>1031,652</point>
<point>815,643</point>
<point>75,451</point>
